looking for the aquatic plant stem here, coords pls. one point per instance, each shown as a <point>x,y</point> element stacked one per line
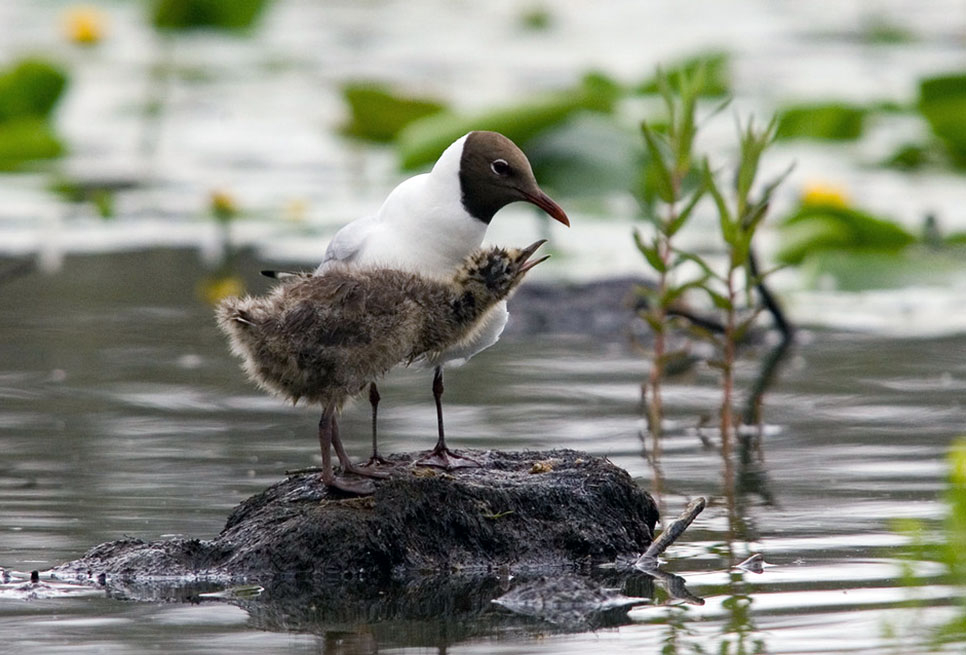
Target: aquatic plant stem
<point>727,371</point>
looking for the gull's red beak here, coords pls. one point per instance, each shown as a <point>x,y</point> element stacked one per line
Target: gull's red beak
<point>546,203</point>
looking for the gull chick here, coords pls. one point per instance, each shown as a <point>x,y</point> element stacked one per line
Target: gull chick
<point>429,224</point>
<point>322,338</point>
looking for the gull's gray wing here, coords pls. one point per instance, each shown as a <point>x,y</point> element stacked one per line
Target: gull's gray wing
<point>348,241</point>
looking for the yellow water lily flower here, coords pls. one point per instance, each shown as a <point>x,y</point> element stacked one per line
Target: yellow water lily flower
<point>84,24</point>
<point>824,195</point>
<point>222,205</point>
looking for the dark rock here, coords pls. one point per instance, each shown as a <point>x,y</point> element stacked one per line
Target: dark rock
<point>526,511</point>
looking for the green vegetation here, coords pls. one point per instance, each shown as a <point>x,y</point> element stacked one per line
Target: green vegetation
<point>422,141</point>
<point>26,139</point>
<point>232,15</point>
<point>946,548</point>
<point>29,91</point>
<point>827,238</point>
<point>673,183</point>
<point>100,194</point>
<point>378,114</point>
<point>670,189</point>
<point>816,228</point>
<point>713,69</point>
<point>942,102</point>
<point>833,121</point>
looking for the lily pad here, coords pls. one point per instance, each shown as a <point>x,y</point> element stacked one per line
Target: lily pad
<point>858,271</point>
<point>422,141</point>
<point>942,102</point>
<point>824,227</point>
<point>26,139</point>
<point>378,114</point>
<point>30,88</point>
<point>831,121</point>
<point>206,14</point>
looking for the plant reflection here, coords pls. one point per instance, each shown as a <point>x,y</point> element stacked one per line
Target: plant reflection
<point>743,475</point>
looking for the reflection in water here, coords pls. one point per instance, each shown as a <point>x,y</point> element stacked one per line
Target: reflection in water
<point>743,475</point>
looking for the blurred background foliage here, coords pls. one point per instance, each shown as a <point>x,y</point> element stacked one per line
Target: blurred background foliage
<point>29,90</point>
<point>581,139</point>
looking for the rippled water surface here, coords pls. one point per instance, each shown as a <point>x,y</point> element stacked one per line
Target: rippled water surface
<point>123,414</point>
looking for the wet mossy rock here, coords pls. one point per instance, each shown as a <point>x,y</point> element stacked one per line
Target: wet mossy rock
<point>524,510</point>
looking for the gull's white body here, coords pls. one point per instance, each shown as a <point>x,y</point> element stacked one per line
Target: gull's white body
<point>424,228</point>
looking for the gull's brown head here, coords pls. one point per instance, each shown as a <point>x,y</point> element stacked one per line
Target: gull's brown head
<point>494,172</point>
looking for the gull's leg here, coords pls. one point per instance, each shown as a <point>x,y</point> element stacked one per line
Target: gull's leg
<point>375,461</point>
<point>329,436</point>
<point>440,455</point>
<point>346,462</point>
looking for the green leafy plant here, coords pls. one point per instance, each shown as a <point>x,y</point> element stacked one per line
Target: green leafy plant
<point>673,184</point>
<point>712,68</point>
<point>740,212</point>
<point>946,547</point>
<point>670,188</point>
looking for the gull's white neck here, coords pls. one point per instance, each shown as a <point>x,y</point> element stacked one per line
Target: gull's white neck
<point>423,223</point>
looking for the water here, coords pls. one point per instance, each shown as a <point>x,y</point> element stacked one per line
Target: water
<point>123,414</point>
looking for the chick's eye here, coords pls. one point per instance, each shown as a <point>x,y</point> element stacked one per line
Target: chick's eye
<point>500,167</point>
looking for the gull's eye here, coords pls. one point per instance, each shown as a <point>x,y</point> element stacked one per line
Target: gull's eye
<point>500,167</point>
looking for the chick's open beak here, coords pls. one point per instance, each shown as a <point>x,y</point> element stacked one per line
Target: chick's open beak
<point>546,203</point>
<point>529,250</point>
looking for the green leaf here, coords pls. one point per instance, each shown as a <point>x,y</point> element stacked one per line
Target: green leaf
<point>422,141</point>
<point>650,253</point>
<point>696,259</point>
<point>673,293</point>
<point>727,223</point>
<point>26,139</point>
<point>942,102</point>
<point>30,89</point>
<point>720,300</point>
<point>862,270</point>
<point>656,324</point>
<point>830,121</point>
<point>657,167</point>
<point>716,80</point>
<point>815,228</point>
<point>379,114</point>
<point>206,14</point>
<point>703,333</point>
<point>685,213</point>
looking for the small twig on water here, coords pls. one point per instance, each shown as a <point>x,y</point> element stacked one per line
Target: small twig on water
<point>670,534</point>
